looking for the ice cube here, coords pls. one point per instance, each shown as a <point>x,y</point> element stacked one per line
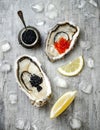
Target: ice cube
<point>27,126</point>
<point>87,89</point>
<point>82,84</point>
<point>19,124</point>
<point>90,63</point>
<point>75,123</point>
<point>40,23</point>
<point>5,47</point>
<point>51,7</point>
<point>52,14</point>
<point>39,7</point>
<point>34,127</point>
<point>13,98</point>
<point>60,82</point>
<point>93,3</point>
<point>5,67</point>
<point>85,45</point>
<point>82,4</point>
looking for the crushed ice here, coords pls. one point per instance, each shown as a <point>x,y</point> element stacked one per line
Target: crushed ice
<point>85,45</point>
<point>51,12</point>
<point>38,7</point>
<point>19,124</point>
<point>5,67</point>
<point>75,123</point>
<point>82,4</point>
<point>34,126</point>
<point>27,126</point>
<point>85,87</point>
<point>93,3</point>
<point>60,82</point>
<point>50,7</point>
<point>13,98</point>
<point>5,46</point>
<point>40,23</point>
<point>90,62</point>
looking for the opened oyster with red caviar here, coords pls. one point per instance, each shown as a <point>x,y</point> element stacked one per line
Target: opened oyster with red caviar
<point>61,40</point>
<point>32,80</point>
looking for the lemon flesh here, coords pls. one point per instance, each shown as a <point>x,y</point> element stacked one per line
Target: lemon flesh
<point>62,104</point>
<point>73,68</point>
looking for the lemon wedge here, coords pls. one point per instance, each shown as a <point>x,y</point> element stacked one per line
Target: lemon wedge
<point>73,68</point>
<point>62,103</point>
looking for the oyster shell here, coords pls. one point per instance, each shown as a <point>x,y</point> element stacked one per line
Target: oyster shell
<point>32,80</point>
<point>68,32</point>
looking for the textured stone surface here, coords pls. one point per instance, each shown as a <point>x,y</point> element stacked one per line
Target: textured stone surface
<point>87,106</point>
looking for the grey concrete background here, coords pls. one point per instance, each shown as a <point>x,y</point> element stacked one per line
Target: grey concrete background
<point>86,107</point>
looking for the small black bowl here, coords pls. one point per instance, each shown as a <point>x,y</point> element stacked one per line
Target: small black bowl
<point>28,38</point>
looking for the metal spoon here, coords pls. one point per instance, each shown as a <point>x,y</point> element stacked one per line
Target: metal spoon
<point>20,14</point>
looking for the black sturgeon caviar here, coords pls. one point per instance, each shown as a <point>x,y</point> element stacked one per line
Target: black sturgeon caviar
<point>29,36</point>
<point>36,81</point>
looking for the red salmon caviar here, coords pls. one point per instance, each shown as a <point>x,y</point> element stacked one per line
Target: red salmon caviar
<point>62,45</point>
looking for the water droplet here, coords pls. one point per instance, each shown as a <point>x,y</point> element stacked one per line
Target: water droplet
<point>5,67</point>
<point>85,45</point>
<point>90,63</point>
<point>60,82</point>
<point>75,123</point>
<point>27,126</point>
<point>5,46</point>
<point>82,4</point>
<point>38,7</point>
<point>87,89</point>
<point>19,124</point>
<point>93,3</point>
<point>13,98</point>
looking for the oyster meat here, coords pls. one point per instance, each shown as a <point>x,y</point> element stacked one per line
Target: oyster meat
<point>61,40</point>
<point>32,80</point>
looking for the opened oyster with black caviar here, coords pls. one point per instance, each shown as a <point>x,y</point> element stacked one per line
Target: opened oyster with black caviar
<point>32,80</point>
<point>61,40</point>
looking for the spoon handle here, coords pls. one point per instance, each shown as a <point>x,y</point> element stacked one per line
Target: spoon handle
<point>20,14</point>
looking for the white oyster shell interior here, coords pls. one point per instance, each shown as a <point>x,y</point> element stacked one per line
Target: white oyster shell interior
<point>27,66</point>
<point>66,30</point>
